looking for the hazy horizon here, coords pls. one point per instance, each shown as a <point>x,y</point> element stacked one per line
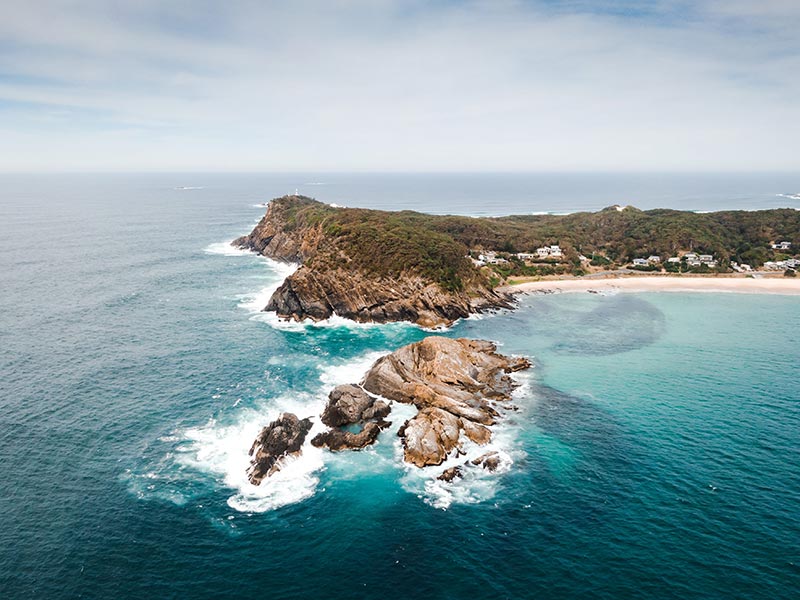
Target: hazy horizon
<point>400,86</point>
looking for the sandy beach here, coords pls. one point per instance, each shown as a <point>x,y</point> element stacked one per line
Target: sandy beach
<point>744,285</point>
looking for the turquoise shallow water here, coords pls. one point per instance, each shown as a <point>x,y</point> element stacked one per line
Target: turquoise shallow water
<point>655,449</point>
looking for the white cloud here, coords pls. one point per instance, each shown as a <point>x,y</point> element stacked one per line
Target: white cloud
<point>397,86</point>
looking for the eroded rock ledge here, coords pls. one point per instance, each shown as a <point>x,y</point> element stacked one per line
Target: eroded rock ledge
<point>459,387</point>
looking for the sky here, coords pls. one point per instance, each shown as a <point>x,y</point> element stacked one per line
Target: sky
<point>400,85</point>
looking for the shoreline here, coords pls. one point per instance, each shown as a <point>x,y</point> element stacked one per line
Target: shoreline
<point>663,283</point>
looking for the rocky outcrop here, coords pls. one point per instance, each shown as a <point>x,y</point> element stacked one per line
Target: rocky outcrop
<point>332,278</point>
<point>350,405</point>
<point>281,438</point>
<point>457,385</point>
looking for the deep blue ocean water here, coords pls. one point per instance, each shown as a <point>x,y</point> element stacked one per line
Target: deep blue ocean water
<point>655,452</point>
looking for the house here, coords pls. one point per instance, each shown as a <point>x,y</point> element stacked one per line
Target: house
<point>525,256</point>
<point>654,259</point>
<point>690,256</point>
<point>640,262</point>
<point>673,259</point>
<point>543,252</point>
<point>780,265</point>
<point>706,258</point>
<point>781,245</point>
<point>741,268</point>
<point>555,251</point>
<point>693,262</point>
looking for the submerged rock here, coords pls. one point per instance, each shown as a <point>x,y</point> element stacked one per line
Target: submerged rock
<point>455,384</point>
<point>351,405</point>
<point>281,438</point>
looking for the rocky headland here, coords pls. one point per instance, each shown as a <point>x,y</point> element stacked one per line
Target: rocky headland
<point>459,387</point>
<point>380,266</point>
<point>367,266</point>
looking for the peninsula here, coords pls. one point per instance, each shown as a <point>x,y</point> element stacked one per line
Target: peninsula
<point>380,266</point>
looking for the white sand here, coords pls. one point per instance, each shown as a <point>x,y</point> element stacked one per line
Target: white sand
<point>745,285</point>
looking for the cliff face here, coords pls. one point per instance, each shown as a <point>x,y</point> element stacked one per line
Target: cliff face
<point>338,274</point>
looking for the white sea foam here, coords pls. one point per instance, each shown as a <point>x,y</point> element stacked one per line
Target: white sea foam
<point>223,452</point>
<point>225,249</point>
<point>277,272</point>
<point>350,372</point>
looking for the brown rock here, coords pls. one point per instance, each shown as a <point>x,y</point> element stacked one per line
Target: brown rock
<point>346,405</point>
<point>340,439</point>
<point>450,474</point>
<point>350,405</point>
<point>489,461</point>
<point>430,436</point>
<point>479,434</point>
<point>283,437</point>
<point>454,383</point>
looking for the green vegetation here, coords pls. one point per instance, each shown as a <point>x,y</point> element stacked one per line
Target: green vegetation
<point>437,247</point>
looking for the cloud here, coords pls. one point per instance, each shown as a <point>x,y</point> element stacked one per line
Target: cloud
<point>357,85</point>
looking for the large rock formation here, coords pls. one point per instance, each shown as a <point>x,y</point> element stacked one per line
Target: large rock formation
<point>339,274</point>
<point>281,438</point>
<point>455,384</point>
<point>351,405</point>
<point>459,387</point>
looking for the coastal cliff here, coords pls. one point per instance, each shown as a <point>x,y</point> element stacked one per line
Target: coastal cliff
<point>368,266</point>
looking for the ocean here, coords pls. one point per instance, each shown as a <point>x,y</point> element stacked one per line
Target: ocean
<point>654,453</point>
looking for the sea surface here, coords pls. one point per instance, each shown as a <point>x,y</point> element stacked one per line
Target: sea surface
<point>655,452</point>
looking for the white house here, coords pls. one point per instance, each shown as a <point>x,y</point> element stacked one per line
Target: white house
<point>654,259</point>
<point>555,251</point>
<point>705,258</point>
<point>779,265</point>
<point>781,245</point>
<point>543,252</point>
<point>525,256</point>
<point>673,259</point>
<point>690,256</point>
<point>640,262</point>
